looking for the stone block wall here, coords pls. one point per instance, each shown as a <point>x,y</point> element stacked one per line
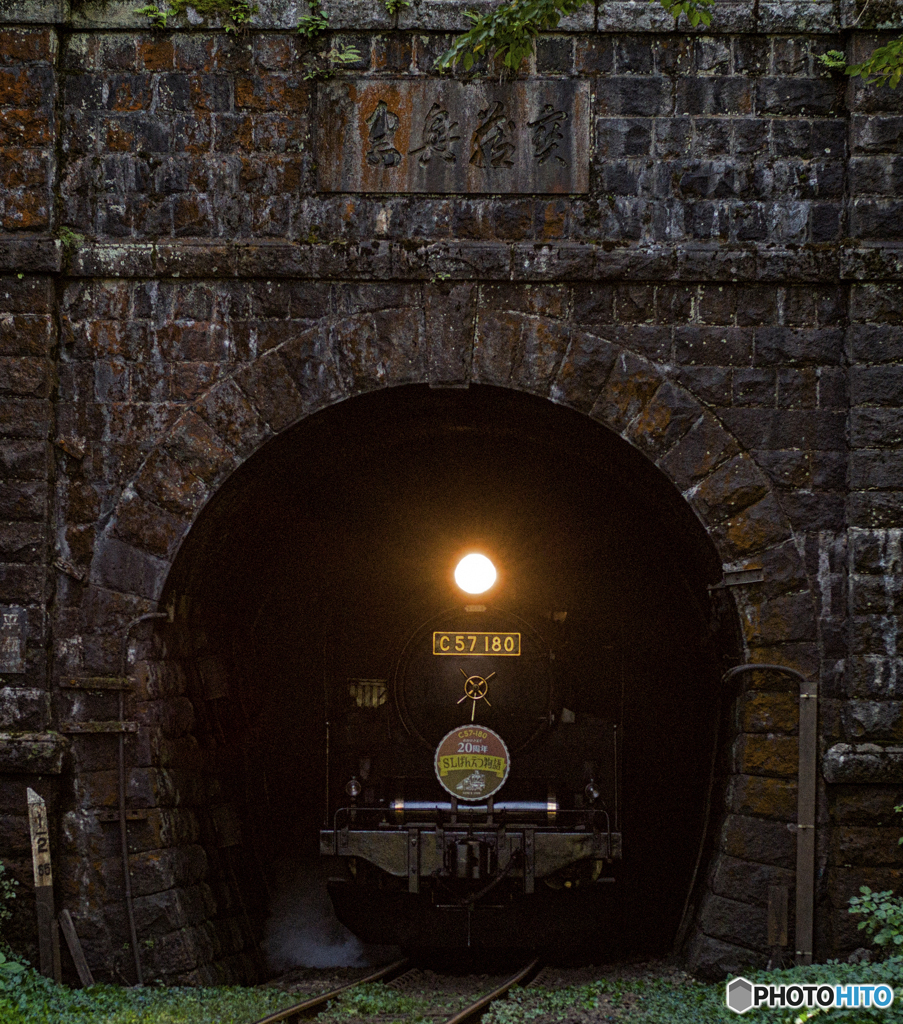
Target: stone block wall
<point>175,291</point>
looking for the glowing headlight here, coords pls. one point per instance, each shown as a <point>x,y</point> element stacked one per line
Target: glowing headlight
<point>475,574</point>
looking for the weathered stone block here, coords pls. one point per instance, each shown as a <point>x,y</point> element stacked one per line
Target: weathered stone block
<point>169,484</point>
<point>871,805</point>
<point>171,717</point>
<point>733,486</point>
<point>768,712</point>
<point>764,797</point>
<point>123,567</point>
<point>23,583</point>
<point>159,870</point>
<point>630,385</point>
<point>583,370</point>
<point>32,753</point>
<point>753,880</point>
<point>311,363</point>
<point>731,921</point>
<point>699,452</point>
<point>200,453</point>
<point>787,618</point>
<point>714,960</point>
<point>770,755</point>
<point>449,325</point>
<point>666,418</point>
<point>856,846</point>
<point>759,840</point>
<point>873,720</point>
<point>271,391</point>
<point>148,527</point>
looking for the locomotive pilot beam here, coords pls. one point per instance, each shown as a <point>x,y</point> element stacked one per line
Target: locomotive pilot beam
<point>474,789</point>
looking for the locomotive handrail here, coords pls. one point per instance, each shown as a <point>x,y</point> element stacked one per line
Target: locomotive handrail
<point>584,818</point>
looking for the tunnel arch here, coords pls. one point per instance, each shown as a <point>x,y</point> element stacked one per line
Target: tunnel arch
<point>682,443</point>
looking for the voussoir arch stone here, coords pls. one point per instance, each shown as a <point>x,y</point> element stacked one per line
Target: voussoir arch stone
<point>344,356</point>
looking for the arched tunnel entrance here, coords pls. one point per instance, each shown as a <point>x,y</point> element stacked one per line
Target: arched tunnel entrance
<point>325,551</point>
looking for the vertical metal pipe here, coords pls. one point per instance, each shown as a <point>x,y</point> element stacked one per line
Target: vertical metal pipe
<point>123,830</point>
<point>805,821</point>
<point>805,813</point>
<point>124,846</point>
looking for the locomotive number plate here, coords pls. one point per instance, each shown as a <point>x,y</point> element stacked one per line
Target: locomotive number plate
<point>498,645</point>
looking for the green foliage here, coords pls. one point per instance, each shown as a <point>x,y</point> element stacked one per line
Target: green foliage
<point>394,6</point>
<point>8,887</point>
<point>697,11</point>
<point>883,67</point>
<point>508,32</point>
<point>9,968</point>
<point>883,915</point>
<point>153,13</point>
<point>683,1000</point>
<point>324,65</point>
<point>33,999</point>
<point>236,12</point>
<point>310,25</point>
<point>833,60</point>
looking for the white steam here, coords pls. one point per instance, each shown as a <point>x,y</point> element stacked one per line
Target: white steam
<point>302,930</point>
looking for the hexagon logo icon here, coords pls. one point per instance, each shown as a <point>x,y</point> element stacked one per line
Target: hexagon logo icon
<point>739,995</point>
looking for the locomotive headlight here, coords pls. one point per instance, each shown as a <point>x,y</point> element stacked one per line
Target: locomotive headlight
<point>475,574</point>
<point>353,788</point>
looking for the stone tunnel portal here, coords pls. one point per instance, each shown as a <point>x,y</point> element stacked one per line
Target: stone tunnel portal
<point>325,550</point>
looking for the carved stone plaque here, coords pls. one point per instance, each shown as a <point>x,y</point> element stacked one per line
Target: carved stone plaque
<point>440,135</point>
<point>12,639</point>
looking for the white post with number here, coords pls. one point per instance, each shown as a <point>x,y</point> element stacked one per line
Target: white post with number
<point>48,940</point>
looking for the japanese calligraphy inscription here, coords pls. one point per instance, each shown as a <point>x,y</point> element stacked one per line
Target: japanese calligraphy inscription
<point>404,135</point>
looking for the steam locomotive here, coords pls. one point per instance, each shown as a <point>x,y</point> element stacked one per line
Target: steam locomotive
<point>473,798</point>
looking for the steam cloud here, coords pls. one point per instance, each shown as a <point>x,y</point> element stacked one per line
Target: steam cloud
<point>303,931</point>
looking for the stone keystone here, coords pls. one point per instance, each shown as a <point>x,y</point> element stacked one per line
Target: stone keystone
<point>739,995</point>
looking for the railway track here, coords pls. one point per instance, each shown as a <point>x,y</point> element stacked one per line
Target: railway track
<point>402,976</point>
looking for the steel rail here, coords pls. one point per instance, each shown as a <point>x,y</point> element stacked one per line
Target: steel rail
<point>299,1010</point>
<point>497,993</point>
<point>295,1013</point>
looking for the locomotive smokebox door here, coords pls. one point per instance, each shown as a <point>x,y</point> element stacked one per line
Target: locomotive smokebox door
<point>488,668</point>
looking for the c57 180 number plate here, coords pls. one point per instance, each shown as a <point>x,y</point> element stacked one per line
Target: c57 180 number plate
<point>498,645</point>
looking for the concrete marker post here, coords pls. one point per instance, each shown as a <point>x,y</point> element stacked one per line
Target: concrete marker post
<point>48,933</point>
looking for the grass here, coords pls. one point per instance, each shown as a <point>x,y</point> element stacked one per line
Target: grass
<point>28,998</point>
<point>32,999</point>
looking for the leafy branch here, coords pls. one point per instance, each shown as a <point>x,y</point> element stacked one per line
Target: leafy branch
<point>883,67</point>
<point>508,32</point>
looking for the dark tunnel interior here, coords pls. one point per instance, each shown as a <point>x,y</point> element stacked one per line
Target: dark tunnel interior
<point>326,550</point>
